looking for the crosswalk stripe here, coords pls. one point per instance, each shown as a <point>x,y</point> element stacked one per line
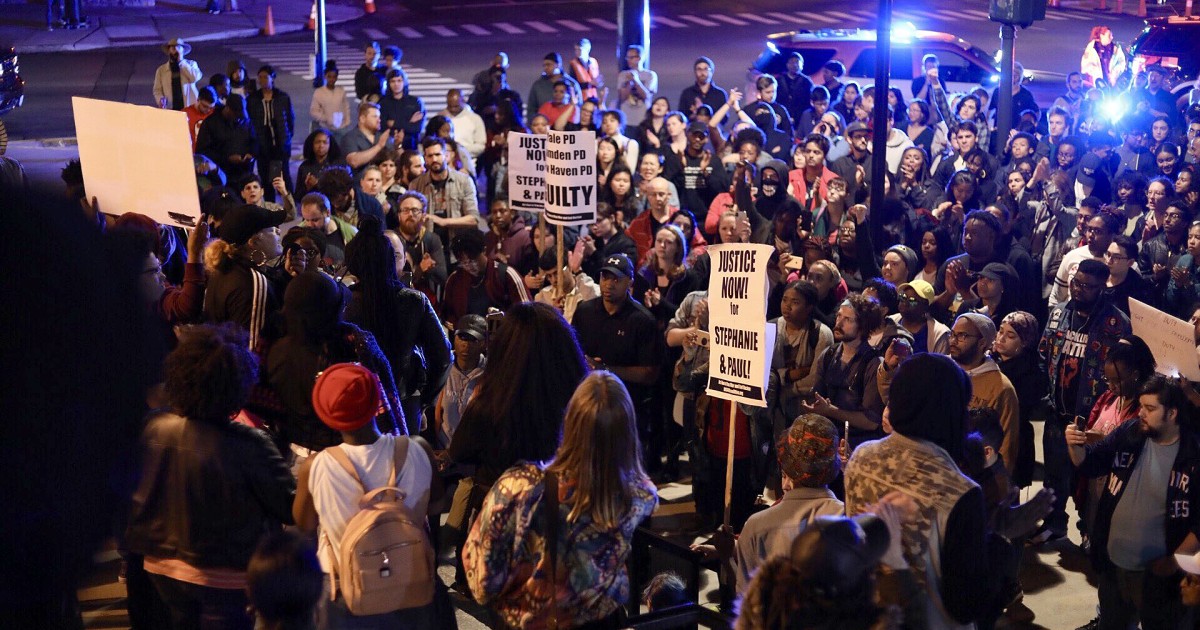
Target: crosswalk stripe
<point>509,28</point>
<point>475,29</point>
<point>342,36</point>
<point>666,21</point>
<point>977,13</point>
<point>604,24</point>
<point>783,17</point>
<point>837,14</point>
<point>1056,16</point>
<point>375,34</point>
<point>574,26</point>
<point>443,31</point>
<point>728,20</point>
<point>810,18</point>
<point>695,19</point>
<point>410,33</point>
<point>541,27</point>
<point>754,17</point>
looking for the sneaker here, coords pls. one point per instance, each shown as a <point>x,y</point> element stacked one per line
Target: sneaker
<point>1044,535</point>
<point>1091,625</point>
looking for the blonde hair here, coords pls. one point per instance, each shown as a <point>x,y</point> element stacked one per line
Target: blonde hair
<point>218,255</point>
<point>600,455</point>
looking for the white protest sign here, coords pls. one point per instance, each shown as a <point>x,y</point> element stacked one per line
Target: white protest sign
<point>527,171</point>
<point>571,178</point>
<point>741,341</point>
<point>1169,338</point>
<point>137,159</point>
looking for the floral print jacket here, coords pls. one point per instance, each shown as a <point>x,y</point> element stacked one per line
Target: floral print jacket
<point>505,557</point>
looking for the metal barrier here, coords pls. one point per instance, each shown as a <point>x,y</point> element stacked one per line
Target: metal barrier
<point>677,617</point>
<point>653,552</point>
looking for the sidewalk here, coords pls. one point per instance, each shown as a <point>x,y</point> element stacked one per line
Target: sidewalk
<point>24,25</point>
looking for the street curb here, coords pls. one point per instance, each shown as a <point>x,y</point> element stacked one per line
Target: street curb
<point>83,45</point>
<point>55,143</point>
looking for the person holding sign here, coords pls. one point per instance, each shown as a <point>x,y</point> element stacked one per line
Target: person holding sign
<point>845,389</point>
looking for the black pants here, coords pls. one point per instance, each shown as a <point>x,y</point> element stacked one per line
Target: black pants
<point>1060,472</point>
<point>195,607</point>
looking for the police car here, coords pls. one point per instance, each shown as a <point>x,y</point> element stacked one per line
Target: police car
<point>963,66</point>
<point>1174,44</point>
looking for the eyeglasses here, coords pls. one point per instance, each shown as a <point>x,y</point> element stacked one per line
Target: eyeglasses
<point>912,301</point>
<point>1115,257</point>
<point>1091,229</point>
<point>311,252</point>
<point>963,336</point>
<point>1078,284</point>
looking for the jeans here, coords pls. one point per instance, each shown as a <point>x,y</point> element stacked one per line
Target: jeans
<point>1060,472</point>
<point>195,607</point>
<point>1127,596</point>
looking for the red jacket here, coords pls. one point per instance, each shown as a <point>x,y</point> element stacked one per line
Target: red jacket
<point>800,186</point>
<point>639,231</point>
<point>503,290</point>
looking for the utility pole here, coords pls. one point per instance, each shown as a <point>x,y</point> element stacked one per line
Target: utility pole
<point>633,28</point>
<point>883,64</point>
<point>319,42</point>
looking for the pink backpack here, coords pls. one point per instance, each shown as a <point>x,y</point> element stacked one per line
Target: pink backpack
<point>387,562</point>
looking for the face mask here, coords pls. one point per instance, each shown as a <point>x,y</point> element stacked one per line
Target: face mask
<point>769,189</point>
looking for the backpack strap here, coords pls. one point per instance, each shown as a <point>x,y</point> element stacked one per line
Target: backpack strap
<point>340,457</point>
<point>551,503</point>
<point>399,457</point>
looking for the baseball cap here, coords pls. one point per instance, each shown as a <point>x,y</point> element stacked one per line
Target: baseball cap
<point>347,396</point>
<point>472,325</point>
<point>697,127</point>
<point>840,552</point>
<point>618,264</point>
<point>1000,272</point>
<point>924,289</point>
<point>808,451</point>
<point>856,127</point>
<point>1088,168</point>
<point>243,222</point>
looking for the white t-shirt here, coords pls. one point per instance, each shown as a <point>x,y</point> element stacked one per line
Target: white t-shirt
<point>336,494</point>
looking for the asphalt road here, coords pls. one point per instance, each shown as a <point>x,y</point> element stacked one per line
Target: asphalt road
<point>449,44</point>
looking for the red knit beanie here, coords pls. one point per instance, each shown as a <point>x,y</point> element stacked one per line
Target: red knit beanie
<point>347,396</point>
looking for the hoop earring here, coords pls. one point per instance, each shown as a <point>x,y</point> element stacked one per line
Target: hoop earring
<point>260,259</point>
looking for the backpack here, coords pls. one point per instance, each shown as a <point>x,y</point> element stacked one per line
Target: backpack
<point>387,562</point>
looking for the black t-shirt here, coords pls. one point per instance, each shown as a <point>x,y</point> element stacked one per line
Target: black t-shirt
<point>628,338</point>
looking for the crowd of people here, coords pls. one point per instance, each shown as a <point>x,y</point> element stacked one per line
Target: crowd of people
<point>377,334</point>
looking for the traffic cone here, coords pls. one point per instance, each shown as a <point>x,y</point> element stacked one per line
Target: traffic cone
<point>369,6</point>
<point>268,29</point>
<point>312,19</point>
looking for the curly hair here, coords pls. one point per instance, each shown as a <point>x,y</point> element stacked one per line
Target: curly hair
<point>210,373</point>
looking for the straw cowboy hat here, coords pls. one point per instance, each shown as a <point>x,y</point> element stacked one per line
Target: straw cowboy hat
<point>187,48</point>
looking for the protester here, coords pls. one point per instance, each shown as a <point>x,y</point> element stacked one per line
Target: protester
<point>197,544</point>
<point>332,484</point>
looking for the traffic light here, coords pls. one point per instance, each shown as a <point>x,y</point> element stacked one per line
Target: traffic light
<point>1021,12</point>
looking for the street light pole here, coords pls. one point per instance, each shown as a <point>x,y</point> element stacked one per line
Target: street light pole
<point>883,63</point>
<point>319,42</point>
<point>1004,104</point>
<point>633,28</point>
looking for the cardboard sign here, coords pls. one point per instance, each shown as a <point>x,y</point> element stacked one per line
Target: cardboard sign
<point>527,172</point>
<point>137,159</point>
<point>571,186</point>
<point>740,339</point>
<point>1170,339</point>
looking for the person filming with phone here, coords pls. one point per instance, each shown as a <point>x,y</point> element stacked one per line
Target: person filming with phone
<point>1077,339</point>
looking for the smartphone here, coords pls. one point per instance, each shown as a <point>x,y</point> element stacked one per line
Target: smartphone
<point>795,263</point>
<point>742,216</point>
<point>274,169</point>
<point>1080,423</point>
<point>702,338</point>
<point>494,320</point>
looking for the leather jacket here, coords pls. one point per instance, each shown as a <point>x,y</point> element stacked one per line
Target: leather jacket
<point>207,492</point>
